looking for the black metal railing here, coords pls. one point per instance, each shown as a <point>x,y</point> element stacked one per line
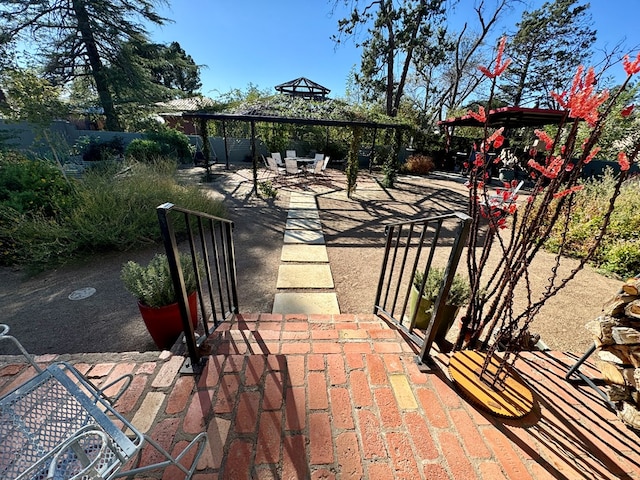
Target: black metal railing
<point>209,241</point>
<point>416,246</point>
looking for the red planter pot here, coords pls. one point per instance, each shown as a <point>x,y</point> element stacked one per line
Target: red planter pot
<point>164,323</point>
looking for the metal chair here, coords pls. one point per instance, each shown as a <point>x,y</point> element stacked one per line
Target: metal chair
<point>58,425</point>
<point>292,166</point>
<point>290,154</point>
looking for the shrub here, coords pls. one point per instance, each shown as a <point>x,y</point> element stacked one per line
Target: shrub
<point>459,292</point>
<point>143,150</point>
<point>420,164</point>
<point>97,150</point>
<point>108,214</point>
<point>33,186</point>
<point>619,252</point>
<point>172,143</point>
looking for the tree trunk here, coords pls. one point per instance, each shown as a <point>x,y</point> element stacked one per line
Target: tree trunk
<point>97,69</point>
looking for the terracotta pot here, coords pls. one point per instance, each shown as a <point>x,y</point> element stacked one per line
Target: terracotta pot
<point>164,323</point>
<point>423,317</point>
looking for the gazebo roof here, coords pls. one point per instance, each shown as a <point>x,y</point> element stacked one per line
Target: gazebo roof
<point>303,87</point>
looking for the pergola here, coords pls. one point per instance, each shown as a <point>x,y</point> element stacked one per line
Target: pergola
<point>253,119</point>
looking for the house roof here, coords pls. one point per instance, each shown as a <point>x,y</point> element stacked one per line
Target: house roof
<point>190,104</point>
<point>303,87</point>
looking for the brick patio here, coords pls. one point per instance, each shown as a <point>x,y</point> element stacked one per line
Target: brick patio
<point>324,397</point>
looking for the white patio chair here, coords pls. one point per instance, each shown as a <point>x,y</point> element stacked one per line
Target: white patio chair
<point>291,154</point>
<point>317,168</point>
<point>58,425</point>
<point>273,166</point>
<point>325,163</point>
<point>292,166</point>
<point>278,158</point>
<point>319,157</point>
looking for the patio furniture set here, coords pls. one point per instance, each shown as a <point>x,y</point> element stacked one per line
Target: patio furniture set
<point>294,165</point>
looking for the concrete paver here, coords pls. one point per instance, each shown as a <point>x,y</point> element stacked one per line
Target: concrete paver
<point>303,224</point>
<point>304,276</point>
<point>304,253</point>
<point>308,237</point>
<point>306,303</point>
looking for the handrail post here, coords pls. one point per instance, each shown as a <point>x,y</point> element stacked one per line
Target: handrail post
<point>171,247</point>
<point>454,258</point>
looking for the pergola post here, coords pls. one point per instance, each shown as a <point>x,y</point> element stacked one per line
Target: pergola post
<point>253,157</point>
<point>373,150</point>
<point>226,146</point>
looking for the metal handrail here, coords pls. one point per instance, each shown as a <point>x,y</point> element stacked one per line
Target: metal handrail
<point>407,245</point>
<point>211,246</point>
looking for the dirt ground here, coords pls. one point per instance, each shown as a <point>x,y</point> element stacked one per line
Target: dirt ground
<point>40,313</point>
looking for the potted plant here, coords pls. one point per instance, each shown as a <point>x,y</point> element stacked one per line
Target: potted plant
<point>459,294</point>
<point>157,300</point>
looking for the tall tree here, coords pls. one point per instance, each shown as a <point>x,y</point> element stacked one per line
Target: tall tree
<point>396,33</point>
<point>549,45</point>
<point>78,37</point>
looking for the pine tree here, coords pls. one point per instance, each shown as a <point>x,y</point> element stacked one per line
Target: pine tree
<point>73,38</point>
<point>550,44</point>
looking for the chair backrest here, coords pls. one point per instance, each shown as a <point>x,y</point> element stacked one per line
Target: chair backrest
<point>276,156</point>
<point>318,167</point>
<point>264,160</point>
<point>273,166</point>
<point>291,165</point>
<point>319,157</point>
<point>325,163</point>
<point>291,154</point>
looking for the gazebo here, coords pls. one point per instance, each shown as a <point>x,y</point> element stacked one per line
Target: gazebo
<point>303,87</point>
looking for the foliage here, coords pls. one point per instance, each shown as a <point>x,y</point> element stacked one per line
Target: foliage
<point>267,189</point>
<point>107,214</point>
<point>558,33</point>
<point>143,150</point>
<point>160,143</point>
<point>172,143</point>
<point>33,186</point>
<point>152,284</point>
<point>78,38</point>
<point>94,150</point>
<point>619,252</point>
<point>30,98</point>
<point>420,164</point>
<point>397,34</point>
<point>459,293</point>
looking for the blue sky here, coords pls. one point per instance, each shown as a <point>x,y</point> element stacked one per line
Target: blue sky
<point>268,42</point>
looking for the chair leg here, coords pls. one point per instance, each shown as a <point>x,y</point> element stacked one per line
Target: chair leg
<point>200,440</point>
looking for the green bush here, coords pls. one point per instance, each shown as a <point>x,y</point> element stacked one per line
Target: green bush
<point>619,253</point>
<point>173,144</point>
<point>143,150</point>
<point>96,150</point>
<point>33,186</point>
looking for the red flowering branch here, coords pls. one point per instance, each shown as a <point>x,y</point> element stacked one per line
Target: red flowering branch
<point>500,65</point>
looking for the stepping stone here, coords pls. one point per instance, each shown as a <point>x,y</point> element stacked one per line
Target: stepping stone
<point>303,224</point>
<point>304,276</point>
<point>302,206</point>
<point>312,237</point>
<point>304,253</point>
<point>303,214</point>
<point>306,303</point>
